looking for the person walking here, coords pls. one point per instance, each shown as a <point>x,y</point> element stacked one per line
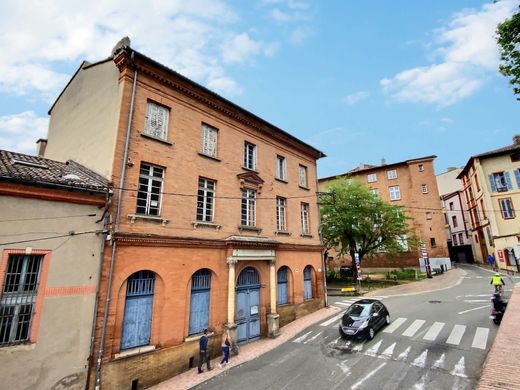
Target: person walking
<point>226,343</point>
<point>203,351</point>
<point>491,261</point>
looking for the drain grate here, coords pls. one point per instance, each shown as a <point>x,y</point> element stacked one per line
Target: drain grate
<point>434,301</point>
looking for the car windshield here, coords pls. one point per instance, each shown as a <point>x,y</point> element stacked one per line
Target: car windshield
<point>358,310</point>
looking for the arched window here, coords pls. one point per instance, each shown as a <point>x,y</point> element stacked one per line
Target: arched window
<point>138,309</point>
<point>307,282</point>
<point>199,305</point>
<point>282,298</point>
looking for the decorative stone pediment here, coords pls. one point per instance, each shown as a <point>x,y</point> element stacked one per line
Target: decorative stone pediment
<point>250,180</point>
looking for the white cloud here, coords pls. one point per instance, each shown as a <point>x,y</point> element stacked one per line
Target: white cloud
<point>468,53</point>
<point>299,35</point>
<point>356,97</point>
<point>241,48</point>
<point>19,132</point>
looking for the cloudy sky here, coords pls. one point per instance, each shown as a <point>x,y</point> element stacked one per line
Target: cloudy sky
<point>358,80</point>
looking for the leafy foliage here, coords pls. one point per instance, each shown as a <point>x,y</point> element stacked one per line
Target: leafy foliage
<point>508,37</point>
<point>359,221</point>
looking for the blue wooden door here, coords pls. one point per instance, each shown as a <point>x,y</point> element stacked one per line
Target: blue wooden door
<point>281,277</point>
<point>199,306</point>
<point>138,310</point>
<point>307,283</point>
<point>248,305</point>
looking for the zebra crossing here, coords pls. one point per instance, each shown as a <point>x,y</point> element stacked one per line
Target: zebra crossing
<point>342,305</point>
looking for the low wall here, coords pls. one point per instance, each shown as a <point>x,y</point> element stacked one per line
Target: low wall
<point>501,368</point>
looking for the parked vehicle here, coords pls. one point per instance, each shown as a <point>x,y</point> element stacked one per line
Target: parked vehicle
<point>363,319</point>
<point>345,271</point>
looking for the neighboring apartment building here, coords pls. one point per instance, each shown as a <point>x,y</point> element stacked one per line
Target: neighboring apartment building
<point>492,189</point>
<point>458,227</point>
<point>51,228</point>
<point>410,184</point>
<point>215,215</point>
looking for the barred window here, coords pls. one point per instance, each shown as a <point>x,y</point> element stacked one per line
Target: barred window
<point>208,140</point>
<point>248,208</point>
<point>19,293</point>
<point>280,214</point>
<point>205,200</point>
<point>157,118</point>
<point>305,218</point>
<point>150,189</point>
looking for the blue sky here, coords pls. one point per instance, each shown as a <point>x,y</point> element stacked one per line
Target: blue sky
<point>358,80</point>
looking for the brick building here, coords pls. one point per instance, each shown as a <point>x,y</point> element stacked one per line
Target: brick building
<point>215,219</point>
<point>410,184</point>
<point>491,183</point>
<point>51,232</point>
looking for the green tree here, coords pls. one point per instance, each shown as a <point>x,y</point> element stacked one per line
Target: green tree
<point>357,221</point>
<point>508,37</point>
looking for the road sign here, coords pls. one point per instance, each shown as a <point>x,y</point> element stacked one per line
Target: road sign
<point>356,258</point>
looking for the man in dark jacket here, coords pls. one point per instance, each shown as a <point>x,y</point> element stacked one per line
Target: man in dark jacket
<point>203,351</point>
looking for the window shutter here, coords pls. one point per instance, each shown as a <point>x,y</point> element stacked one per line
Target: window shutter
<point>492,183</point>
<point>517,177</point>
<point>508,181</point>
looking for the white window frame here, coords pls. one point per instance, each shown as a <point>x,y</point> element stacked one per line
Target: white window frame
<point>156,121</point>
<point>402,240</point>
<point>371,177</point>
<point>150,185</point>
<point>395,192</point>
<point>206,200</point>
<point>424,188</point>
<point>391,174</point>
<point>375,191</point>
<point>281,214</point>
<point>281,168</point>
<point>249,155</point>
<point>428,215</point>
<point>302,176</point>
<point>208,140</point>
<point>248,212</point>
<point>421,168</point>
<point>507,212</point>
<point>304,212</point>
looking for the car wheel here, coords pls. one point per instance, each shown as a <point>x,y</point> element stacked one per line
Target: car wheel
<point>371,333</point>
<point>387,319</point>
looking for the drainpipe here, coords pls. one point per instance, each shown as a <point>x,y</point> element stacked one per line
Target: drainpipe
<point>116,227</point>
<point>323,260</point>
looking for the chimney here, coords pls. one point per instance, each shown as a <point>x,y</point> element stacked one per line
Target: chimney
<point>383,161</point>
<point>41,144</point>
<point>516,139</point>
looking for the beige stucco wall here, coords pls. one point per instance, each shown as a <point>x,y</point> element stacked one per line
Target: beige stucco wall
<point>58,358</point>
<point>448,182</point>
<point>84,120</point>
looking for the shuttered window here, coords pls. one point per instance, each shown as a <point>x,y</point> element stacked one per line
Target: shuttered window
<point>305,218</point>
<point>156,124</point>
<point>208,140</point>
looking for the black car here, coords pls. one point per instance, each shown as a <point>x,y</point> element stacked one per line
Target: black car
<point>345,271</point>
<point>363,318</point>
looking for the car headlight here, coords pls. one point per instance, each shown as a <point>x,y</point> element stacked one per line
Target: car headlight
<point>363,325</point>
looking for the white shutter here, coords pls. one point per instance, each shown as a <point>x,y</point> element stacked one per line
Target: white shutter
<point>157,121</point>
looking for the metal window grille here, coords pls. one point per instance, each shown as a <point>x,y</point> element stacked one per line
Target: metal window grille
<point>157,120</point>
<point>249,156</point>
<point>248,208</point>
<point>209,140</point>
<point>305,218</point>
<point>201,280</point>
<point>140,283</point>
<point>281,172</point>
<point>302,176</point>
<point>248,277</point>
<point>280,214</point>
<point>22,279</point>
<point>150,190</point>
<point>205,200</point>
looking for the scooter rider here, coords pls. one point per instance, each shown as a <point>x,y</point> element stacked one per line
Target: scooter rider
<point>497,282</point>
<point>498,304</point>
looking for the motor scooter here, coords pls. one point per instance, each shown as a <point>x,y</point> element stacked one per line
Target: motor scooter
<point>498,307</point>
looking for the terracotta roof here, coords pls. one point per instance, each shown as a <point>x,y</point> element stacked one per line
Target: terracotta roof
<point>515,147</point>
<point>33,170</point>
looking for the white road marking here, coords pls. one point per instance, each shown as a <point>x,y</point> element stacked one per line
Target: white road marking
<point>312,338</point>
<point>476,300</point>
<point>394,325</point>
<point>332,320</point>
<point>301,338</point>
<point>475,308</point>
<point>342,304</point>
<point>434,331</point>
<point>422,383</point>
<point>412,329</point>
<point>387,353</point>
<point>404,355</point>
<point>480,339</point>
<point>344,368</point>
<point>439,363</point>
<point>358,348</point>
<point>372,373</point>
<point>479,277</point>
<point>459,369</point>
<point>477,295</point>
<point>456,334</point>
<point>373,350</point>
<point>420,361</point>
<point>349,300</point>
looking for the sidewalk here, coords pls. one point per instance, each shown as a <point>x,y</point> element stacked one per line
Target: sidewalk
<point>191,378</point>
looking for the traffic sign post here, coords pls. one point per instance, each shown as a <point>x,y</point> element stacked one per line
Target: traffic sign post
<point>426,260</point>
<point>358,273</point>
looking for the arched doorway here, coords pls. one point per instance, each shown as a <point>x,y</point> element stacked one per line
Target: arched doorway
<point>199,305</point>
<point>138,310</point>
<point>248,305</point>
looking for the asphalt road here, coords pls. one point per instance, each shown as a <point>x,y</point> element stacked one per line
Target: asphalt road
<point>436,340</point>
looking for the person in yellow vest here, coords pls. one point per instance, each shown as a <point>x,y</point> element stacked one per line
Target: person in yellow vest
<point>497,282</point>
